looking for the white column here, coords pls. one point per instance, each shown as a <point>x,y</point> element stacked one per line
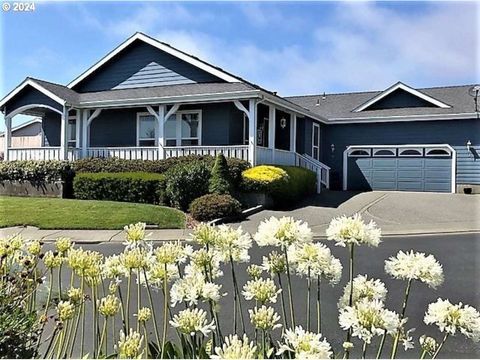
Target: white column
<point>272,119</point>
<point>84,133</point>
<point>161,130</point>
<point>252,130</point>
<point>293,132</point>
<point>8,137</point>
<point>63,134</point>
<point>78,128</point>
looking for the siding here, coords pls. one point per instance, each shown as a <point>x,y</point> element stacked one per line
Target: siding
<point>453,132</point>
<point>30,95</point>
<point>400,99</point>
<point>26,137</point>
<point>142,65</point>
<point>51,128</point>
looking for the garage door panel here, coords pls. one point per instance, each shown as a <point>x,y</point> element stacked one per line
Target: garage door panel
<point>416,173</point>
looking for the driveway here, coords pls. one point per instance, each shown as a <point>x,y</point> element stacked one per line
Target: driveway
<point>395,212</point>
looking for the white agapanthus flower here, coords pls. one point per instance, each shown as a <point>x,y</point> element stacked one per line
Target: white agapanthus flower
<point>192,321</point>
<point>204,234</point>
<point>353,230</point>
<point>233,243</point>
<point>135,235</point>
<point>305,344</point>
<point>415,266</point>
<point>172,253</point>
<point>452,318</point>
<point>112,268</point>
<point>368,319</point>
<point>261,290</point>
<point>282,232</point>
<point>363,288</point>
<point>235,348</point>
<point>317,259</point>
<point>155,275</point>
<point>428,344</point>
<point>205,261</point>
<point>192,288</point>
<point>264,318</point>
<point>274,263</point>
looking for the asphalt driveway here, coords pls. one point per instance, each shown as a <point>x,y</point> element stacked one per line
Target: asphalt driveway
<point>395,212</point>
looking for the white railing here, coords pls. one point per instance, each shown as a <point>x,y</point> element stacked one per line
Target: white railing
<point>127,153</point>
<point>275,156</point>
<point>41,153</point>
<point>319,168</point>
<point>234,151</point>
<point>264,155</point>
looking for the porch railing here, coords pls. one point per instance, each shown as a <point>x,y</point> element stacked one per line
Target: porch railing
<point>127,153</point>
<point>234,151</point>
<point>275,156</point>
<point>319,168</point>
<point>41,153</point>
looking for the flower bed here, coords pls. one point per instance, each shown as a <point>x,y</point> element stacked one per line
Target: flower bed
<point>184,279</point>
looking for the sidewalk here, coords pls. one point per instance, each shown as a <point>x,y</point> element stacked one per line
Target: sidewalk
<point>396,213</point>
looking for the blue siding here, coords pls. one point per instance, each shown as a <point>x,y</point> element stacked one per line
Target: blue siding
<point>30,95</point>
<point>399,99</point>
<point>453,132</point>
<point>143,65</point>
<point>51,128</point>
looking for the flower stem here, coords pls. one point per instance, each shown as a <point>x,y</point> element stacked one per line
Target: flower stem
<point>165,309</point>
<point>102,337</point>
<point>154,316</point>
<point>127,310</point>
<point>319,308</point>
<point>382,343</point>
<point>309,285</point>
<point>139,299</point>
<point>59,277</point>
<point>235,285</point>
<point>364,351</point>
<point>289,283</point>
<point>422,355</point>
<point>77,321</point>
<point>95,319</point>
<point>264,344</point>
<point>402,316</point>
<point>282,299</point>
<point>350,298</point>
<point>440,346</point>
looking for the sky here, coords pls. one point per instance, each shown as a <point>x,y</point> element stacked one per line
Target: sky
<point>294,48</point>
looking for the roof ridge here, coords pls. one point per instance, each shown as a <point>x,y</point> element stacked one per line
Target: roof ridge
<point>49,82</point>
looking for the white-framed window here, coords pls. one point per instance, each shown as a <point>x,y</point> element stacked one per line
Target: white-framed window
<point>184,128</point>
<point>359,152</point>
<point>410,152</point>
<point>437,152</point>
<point>146,130</point>
<point>72,132</point>
<point>384,152</point>
<point>316,141</point>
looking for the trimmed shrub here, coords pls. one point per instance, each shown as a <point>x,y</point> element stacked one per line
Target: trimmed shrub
<point>186,182</point>
<point>286,184</point>
<point>219,181</point>
<point>213,206</point>
<point>36,171</point>
<point>134,187</point>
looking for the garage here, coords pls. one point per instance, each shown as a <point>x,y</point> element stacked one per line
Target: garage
<point>424,168</point>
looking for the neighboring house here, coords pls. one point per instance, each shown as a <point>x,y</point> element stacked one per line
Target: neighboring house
<point>148,100</point>
<point>26,135</point>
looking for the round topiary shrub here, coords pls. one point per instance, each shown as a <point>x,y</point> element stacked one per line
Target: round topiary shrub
<point>264,178</point>
<point>212,206</point>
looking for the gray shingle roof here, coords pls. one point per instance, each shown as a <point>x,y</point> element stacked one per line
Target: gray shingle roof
<point>340,106</point>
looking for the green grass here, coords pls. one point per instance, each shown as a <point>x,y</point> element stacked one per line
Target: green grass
<point>53,213</point>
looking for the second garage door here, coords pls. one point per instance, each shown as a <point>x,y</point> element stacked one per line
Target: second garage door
<point>403,168</point>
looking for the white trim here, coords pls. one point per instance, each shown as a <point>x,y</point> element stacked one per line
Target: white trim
<point>314,124</point>
<point>178,127</point>
<point>401,152</point>
<point>159,45</point>
<point>93,116</point>
<point>139,114</point>
<point>448,152</point>
<point>21,109</point>
<point>32,83</point>
<point>403,118</point>
<point>392,153</point>
<point>406,88</point>
<point>424,146</point>
<point>368,153</point>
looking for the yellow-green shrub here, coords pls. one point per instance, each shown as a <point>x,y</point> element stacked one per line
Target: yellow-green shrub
<point>264,178</point>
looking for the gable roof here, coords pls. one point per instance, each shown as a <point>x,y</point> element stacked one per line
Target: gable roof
<point>400,86</point>
<point>340,107</point>
<point>216,71</point>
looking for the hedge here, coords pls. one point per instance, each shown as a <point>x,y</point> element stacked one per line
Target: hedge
<point>139,187</point>
<point>213,206</point>
<point>286,184</point>
<point>36,171</point>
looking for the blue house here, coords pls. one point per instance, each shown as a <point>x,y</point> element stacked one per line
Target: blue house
<point>149,100</point>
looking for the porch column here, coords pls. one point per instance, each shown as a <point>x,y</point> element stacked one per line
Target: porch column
<point>84,145</point>
<point>8,137</point>
<point>252,130</point>
<point>63,134</point>
<point>161,131</point>
<point>272,120</point>
<point>293,132</point>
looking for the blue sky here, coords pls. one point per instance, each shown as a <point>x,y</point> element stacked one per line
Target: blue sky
<point>292,48</point>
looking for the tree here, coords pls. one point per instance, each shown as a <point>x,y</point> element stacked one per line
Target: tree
<point>220,181</point>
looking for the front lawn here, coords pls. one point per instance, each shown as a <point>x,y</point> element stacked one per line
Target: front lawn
<point>53,213</point>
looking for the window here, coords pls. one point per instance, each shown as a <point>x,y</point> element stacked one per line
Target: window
<point>146,130</point>
<point>72,132</point>
<point>410,152</point>
<point>316,141</point>
<point>384,152</point>
<point>359,153</point>
<point>184,128</point>
<point>437,152</point>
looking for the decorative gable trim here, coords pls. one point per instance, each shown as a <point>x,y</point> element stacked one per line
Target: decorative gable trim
<point>403,87</point>
<point>162,46</point>
<point>32,83</point>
